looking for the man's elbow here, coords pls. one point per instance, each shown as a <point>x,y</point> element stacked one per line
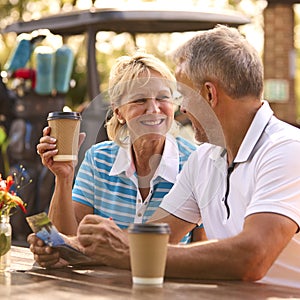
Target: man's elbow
<point>254,274</point>
<point>255,267</point>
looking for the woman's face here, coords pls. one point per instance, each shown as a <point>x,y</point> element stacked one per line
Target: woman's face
<point>148,109</point>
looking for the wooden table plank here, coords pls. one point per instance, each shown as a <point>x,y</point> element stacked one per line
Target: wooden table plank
<point>27,282</point>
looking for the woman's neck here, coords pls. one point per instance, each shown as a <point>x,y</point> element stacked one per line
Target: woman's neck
<point>147,156</point>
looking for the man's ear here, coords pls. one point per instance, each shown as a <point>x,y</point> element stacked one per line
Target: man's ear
<point>210,93</point>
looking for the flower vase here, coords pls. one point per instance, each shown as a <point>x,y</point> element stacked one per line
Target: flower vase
<point>5,243</point>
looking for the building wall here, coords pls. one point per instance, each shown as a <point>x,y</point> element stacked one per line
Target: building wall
<point>280,59</point>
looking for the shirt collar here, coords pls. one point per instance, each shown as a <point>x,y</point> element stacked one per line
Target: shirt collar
<point>256,129</point>
<point>218,156</point>
<point>167,169</point>
<point>123,162</point>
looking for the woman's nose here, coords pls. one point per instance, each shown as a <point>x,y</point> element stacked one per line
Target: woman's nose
<point>153,105</point>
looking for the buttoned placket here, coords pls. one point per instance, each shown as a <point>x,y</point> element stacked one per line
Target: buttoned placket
<point>219,158</point>
<point>230,169</point>
<point>141,206</point>
<point>168,171</point>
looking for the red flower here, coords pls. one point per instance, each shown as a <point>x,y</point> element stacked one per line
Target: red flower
<point>9,199</point>
<point>9,182</point>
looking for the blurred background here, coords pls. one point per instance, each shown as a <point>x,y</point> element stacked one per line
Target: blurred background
<point>110,45</point>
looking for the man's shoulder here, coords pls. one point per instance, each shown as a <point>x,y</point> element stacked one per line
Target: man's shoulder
<point>280,132</point>
<point>205,153</point>
<point>207,147</point>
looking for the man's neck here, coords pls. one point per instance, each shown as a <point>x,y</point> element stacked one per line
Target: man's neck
<point>235,127</point>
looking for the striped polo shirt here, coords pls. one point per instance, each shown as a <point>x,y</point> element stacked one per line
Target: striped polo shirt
<point>107,181</point>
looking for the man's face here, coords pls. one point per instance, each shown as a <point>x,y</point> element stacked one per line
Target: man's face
<point>188,91</point>
<point>204,121</point>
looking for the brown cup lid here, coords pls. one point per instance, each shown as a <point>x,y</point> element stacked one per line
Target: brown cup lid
<point>64,115</point>
<point>161,228</point>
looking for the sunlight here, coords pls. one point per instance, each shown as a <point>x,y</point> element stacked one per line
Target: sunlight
<point>84,4</point>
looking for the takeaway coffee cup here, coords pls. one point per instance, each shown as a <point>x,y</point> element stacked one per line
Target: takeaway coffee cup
<point>65,127</point>
<point>148,252</point>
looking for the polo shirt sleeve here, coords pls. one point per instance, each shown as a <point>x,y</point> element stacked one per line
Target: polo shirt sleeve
<point>180,201</point>
<point>277,187</point>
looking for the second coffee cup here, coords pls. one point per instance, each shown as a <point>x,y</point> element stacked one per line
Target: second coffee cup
<point>65,127</point>
<point>148,252</point>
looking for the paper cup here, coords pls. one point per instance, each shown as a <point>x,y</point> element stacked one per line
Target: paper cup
<point>65,127</point>
<point>148,252</point>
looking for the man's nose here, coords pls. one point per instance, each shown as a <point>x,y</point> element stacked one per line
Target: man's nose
<point>182,109</point>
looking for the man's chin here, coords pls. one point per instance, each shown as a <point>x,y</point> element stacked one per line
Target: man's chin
<point>201,137</point>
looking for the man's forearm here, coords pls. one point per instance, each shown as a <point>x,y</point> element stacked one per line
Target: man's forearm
<point>206,260</point>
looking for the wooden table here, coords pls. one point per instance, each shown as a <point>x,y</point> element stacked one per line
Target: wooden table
<point>27,282</point>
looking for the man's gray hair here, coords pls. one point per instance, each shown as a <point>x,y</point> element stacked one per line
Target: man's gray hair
<point>222,55</point>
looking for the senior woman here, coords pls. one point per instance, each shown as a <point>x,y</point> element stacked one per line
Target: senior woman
<point>124,178</point>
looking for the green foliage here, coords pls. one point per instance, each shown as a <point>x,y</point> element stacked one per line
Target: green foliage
<point>5,244</point>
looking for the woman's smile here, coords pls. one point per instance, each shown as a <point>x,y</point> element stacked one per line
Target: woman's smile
<point>153,122</point>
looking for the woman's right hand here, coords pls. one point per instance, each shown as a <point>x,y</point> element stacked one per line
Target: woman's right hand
<point>47,150</point>
<point>44,255</point>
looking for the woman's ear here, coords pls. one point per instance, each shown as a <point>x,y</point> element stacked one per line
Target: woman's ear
<point>119,116</point>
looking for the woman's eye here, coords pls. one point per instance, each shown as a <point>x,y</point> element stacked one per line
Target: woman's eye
<point>139,101</point>
<point>163,98</point>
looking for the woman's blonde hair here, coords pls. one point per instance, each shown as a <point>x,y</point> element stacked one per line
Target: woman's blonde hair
<point>125,71</point>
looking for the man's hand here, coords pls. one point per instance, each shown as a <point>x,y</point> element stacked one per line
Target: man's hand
<point>104,241</point>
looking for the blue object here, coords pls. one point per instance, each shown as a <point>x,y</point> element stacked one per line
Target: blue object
<point>64,59</point>
<point>44,73</point>
<point>20,56</point>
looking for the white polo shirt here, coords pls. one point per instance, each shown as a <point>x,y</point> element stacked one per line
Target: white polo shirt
<point>266,178</point>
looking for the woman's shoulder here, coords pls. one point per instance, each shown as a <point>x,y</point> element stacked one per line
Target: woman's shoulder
<point>185,145</point>
<point>185,149</point>
<point>106,147</point>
